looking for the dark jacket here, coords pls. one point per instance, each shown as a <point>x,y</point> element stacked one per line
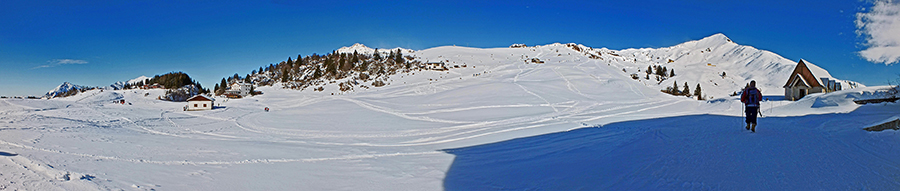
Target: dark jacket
<point>751,97</point>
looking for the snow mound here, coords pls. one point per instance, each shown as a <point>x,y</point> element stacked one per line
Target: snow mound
<point>822,103</point>
<point>101,97</point>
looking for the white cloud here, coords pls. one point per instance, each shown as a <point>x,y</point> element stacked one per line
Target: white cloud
<point>881,29</point>
<point>57,62</point>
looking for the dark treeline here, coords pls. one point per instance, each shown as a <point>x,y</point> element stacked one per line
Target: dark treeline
<point>171,80</point>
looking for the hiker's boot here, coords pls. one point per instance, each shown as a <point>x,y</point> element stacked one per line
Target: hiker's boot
<point>753,128</point>
<point>748,126</point>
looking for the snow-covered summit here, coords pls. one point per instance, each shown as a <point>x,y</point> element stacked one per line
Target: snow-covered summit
<point>363,49</point>
<point>138,79</point>
<point>64,89</point>
<point>116,86</point>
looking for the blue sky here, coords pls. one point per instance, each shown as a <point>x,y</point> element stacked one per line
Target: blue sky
<point>45,43</point>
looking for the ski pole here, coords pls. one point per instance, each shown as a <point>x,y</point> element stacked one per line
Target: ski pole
<point>743,110</point>
<point>759,110</point>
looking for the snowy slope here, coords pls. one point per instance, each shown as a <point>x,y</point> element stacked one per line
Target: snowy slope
<point>703,61</point>
<point>695,62</point>
<point>501,122</point>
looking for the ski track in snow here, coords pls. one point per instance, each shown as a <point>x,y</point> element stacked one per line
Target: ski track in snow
<point>515,81</point>
<point>247,161</point>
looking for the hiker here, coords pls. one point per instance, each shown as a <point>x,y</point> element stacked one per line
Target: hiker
<point>750,97</point>
<point>267,109</point>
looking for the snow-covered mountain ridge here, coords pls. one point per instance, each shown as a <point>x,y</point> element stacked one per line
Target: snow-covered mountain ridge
<point>138,79</point>
<point>696,62</point>
<point>363,49</point>
<point>704,61</point>
<point>65,89</point>
<point>68,89</point>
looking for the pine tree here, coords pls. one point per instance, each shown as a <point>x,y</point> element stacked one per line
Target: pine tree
<point>398,58</point>
<point>391,55</point>
<point>697,92</point>
<point>290,63</point>
<point>346,65</point>
<point>377,56</point>
<point>672,73</point>
<point>649,70</point>
<point>675,88</point>
<point>687,90</point>
<point>330,68</point>
<point>317,74</point>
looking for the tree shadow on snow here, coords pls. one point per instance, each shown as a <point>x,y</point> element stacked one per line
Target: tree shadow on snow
<point>688,153</point>
<point>6,154</point>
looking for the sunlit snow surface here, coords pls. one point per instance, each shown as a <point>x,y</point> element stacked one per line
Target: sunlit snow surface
<point>496,124</point>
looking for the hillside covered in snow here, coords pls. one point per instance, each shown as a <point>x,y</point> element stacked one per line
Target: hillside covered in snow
<point>550,117</point>
<point>718,65</point>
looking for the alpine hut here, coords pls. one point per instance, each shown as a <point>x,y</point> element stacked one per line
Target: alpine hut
<point>199,102</point>
<point>807,78</point>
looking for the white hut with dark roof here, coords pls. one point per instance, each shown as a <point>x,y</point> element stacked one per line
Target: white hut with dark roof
<point>199,102</point>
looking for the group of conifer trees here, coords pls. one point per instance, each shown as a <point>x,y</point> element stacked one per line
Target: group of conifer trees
<point>317,69</point>
<point>662,73</point>
<point>171,80</point>
<point>674,90</point>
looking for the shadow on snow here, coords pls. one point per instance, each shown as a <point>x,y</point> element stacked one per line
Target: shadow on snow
<point>6,154</point>
<point>812,152</point>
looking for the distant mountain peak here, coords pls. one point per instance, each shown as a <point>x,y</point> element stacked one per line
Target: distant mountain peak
<point>65,89</point>
<point>138,79</point>
<point>358,45</point>
<point>363,49</point>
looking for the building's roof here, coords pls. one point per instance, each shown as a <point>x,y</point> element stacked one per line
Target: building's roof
<point>816,70</point>
<point>241,84</point>
<point>201,98</point>
<point>810,73</point>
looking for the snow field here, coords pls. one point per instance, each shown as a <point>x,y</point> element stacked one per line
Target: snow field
<point>498,123</point>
